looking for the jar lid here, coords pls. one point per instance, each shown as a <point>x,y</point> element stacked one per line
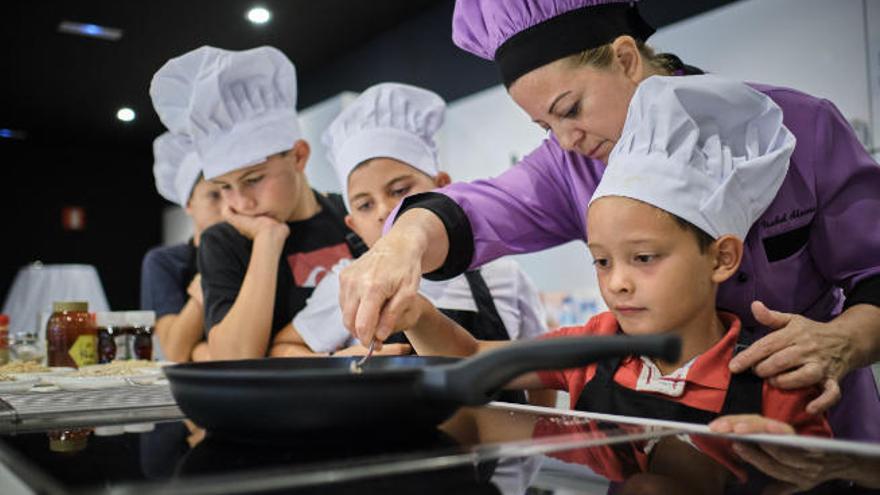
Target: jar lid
<point>140,318</point>
<point>70,306</point>
<point>110,318</point>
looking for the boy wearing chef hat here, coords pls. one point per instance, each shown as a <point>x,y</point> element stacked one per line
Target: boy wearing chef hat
<point>279,237</point>
<point>382,148</point>
<point>690,174</point>
<point>169,277</point>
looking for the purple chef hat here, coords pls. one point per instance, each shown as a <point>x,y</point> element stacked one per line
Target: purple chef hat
<point>522,35</point>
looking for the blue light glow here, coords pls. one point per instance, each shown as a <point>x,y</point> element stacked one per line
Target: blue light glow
<point>92,29</point>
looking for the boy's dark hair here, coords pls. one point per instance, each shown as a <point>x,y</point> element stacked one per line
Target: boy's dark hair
<point>704,240</point>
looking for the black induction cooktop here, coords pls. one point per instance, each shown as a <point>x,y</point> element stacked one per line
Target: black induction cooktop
<point>500,448</point>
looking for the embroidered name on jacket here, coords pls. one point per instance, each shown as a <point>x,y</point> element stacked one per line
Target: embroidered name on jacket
<point>309,268</point>
<point>787,217</point>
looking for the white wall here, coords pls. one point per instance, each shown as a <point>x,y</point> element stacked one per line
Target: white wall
<point>872,17</point>
<point>313,121</point>
<point>816,46</point>
<point>176,226</point>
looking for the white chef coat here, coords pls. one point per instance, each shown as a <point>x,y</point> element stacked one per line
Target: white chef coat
<point>515,296</point>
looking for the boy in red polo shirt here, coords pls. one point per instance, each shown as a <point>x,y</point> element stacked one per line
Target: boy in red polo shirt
<point>688,176</point>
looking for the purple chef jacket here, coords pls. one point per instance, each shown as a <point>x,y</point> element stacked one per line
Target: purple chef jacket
<point>819,239</point>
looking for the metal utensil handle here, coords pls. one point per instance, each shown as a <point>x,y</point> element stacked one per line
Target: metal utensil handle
<point>356,366</point>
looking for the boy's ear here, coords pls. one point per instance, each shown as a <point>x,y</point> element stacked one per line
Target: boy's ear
<point>728,252</point>
<point>301,151</point>
<point>442,179</point>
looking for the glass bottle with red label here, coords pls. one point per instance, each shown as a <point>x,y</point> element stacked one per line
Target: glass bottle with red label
<point>71,335</point>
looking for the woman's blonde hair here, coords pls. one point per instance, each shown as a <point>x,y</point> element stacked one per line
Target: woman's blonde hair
<point>601,57</point>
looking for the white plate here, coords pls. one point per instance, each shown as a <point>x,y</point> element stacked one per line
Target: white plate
<point>152,369</point>
<point>44,376</point>
<point>18,384</point>
<point>88,382</point>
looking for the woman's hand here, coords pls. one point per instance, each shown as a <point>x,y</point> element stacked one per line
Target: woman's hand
<point>796,469</point>
<point>799,352</point>
<point>378,287</point>
<point>252,227</point>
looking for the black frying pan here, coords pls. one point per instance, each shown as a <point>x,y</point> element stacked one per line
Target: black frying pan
<point>282,396</point>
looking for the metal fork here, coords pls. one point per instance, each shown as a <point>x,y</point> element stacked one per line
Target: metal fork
<point>356,365</point>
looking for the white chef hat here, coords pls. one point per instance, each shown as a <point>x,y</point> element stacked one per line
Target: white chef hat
<point>710,151</point>
<point>238,107</point>
<point>388,120</point>
<point>176,167</point>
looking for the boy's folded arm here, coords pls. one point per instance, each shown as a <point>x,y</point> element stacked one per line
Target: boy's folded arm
<point>253,306</point>
<point>431,333</point>
<point>289,343</point>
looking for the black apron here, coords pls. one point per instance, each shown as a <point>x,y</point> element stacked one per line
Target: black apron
<point>484,324</point>
<point>603,395</point>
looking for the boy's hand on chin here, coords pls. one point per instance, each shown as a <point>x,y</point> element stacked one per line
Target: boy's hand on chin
<point>251,227</point>
<point>744,424</point>
<point>194,289</point>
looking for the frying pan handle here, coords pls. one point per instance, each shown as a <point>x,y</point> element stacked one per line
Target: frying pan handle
<point>473,381</point>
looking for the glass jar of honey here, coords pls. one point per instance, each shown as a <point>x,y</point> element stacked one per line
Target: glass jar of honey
<point>71,335</point>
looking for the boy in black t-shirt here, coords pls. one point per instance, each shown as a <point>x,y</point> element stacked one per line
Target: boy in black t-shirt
<point>280,236</point>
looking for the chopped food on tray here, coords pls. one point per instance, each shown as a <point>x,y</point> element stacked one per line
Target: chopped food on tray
<point>23,367</point>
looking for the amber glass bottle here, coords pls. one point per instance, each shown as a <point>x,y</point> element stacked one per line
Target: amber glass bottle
<point>71,335</point>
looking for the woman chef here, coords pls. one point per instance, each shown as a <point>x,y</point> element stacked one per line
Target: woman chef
<point>812,260</point>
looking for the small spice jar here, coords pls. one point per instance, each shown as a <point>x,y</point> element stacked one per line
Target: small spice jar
<point>71,335</point>
<point>26,347</point>
<point>140,339</point>
<point>111,333</point>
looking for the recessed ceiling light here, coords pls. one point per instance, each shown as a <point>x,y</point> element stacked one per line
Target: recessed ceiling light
<point>90,30</point>
<point>125,114</point>
<point>259,15</point>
